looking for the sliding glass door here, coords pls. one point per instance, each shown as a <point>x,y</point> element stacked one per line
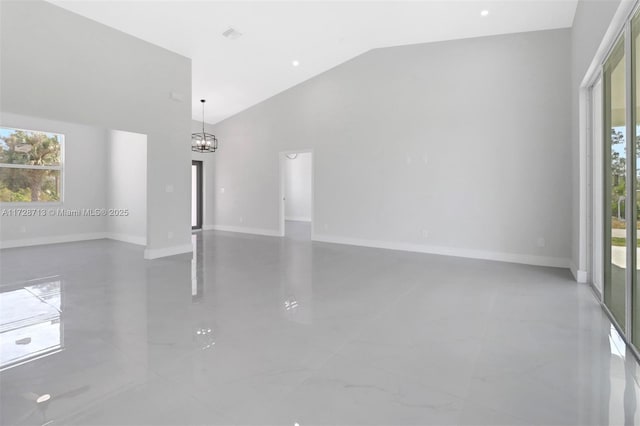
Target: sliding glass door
<point>634,315</point>
<point>616,217</point>
<point>621,190</point>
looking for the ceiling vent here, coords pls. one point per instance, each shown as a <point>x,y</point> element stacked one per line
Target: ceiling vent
<point>232,34</point>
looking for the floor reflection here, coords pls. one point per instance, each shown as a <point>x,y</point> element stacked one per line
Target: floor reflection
<point>631,391</point>
<point>205,338</point>
<point>31,323</point>
<point>622,385</point>
<point>260,330</point>
<point>197,275</point>
<point>296,286</point>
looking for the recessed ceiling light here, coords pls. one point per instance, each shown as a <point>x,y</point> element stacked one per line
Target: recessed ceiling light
<point>295,62</point>
<point>484,13</point>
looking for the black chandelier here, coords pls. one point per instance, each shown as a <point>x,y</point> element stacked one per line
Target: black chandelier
<point>203,141</point>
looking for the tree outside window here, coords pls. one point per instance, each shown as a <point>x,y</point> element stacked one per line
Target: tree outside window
<point>30,166</point>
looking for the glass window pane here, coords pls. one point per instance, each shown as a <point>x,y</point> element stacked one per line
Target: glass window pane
<point>29,147</point>
<point>616,219</point>
<point>635,299</point>
<point>29,185</point>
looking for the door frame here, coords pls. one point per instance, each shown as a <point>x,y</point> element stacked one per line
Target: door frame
<point>282,158</point>
<point>199,204</point>
<point>595,165</point>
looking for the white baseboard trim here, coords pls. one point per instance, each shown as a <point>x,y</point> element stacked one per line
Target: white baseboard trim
<point>580,276</point>
<point>298,218</point>
<point>132,239</point>
<point>243,230</point>
<point>26,242</point>
<point>151,254</point>
<point>447,251</point>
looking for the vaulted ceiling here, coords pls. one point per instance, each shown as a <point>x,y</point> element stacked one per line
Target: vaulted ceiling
<point>234,74</point>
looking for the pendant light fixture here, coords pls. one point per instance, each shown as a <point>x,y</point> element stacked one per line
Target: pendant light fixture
<point>203,141</point>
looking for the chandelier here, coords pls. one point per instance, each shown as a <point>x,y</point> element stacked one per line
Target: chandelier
<point>203,141</point>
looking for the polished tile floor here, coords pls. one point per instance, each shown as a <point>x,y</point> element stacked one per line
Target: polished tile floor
<point>262,330</point>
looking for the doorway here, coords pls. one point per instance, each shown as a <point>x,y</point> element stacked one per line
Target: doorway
<point>296,194</point>
<point>196,194</point>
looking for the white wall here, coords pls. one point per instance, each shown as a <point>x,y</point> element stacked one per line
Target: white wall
<point>84,186</point>
<point>591,22</point>
<point>127,186</point>
<point>459,147</point>
<point>102,77</point>
<point>298,187</point>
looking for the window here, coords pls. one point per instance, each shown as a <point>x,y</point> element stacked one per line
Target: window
<point>30,166</point>
<point>616,166</point>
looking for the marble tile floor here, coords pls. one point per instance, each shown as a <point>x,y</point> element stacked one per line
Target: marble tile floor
<point>258,330</point>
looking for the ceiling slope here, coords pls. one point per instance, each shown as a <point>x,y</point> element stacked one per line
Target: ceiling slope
<point>234,74</point>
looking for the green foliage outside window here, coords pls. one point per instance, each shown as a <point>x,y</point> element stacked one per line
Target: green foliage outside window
<point>618,171</point>
<point>30,166</point>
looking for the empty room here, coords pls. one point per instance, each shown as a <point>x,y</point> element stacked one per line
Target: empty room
<point>320,212</point>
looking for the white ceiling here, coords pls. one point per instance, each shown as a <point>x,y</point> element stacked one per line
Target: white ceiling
<point>236,74</point>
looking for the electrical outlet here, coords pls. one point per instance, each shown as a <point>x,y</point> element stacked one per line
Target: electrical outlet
<point>326,227</point>
<point>241,219</point>
<point>169,235</point>
<point>541,242</point>
<point>425,233</point>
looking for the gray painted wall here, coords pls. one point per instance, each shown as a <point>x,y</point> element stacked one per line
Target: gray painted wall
<point>102,77</point>
<point>459,147</point>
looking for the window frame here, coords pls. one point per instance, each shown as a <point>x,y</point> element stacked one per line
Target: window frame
<point>62,140</point>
